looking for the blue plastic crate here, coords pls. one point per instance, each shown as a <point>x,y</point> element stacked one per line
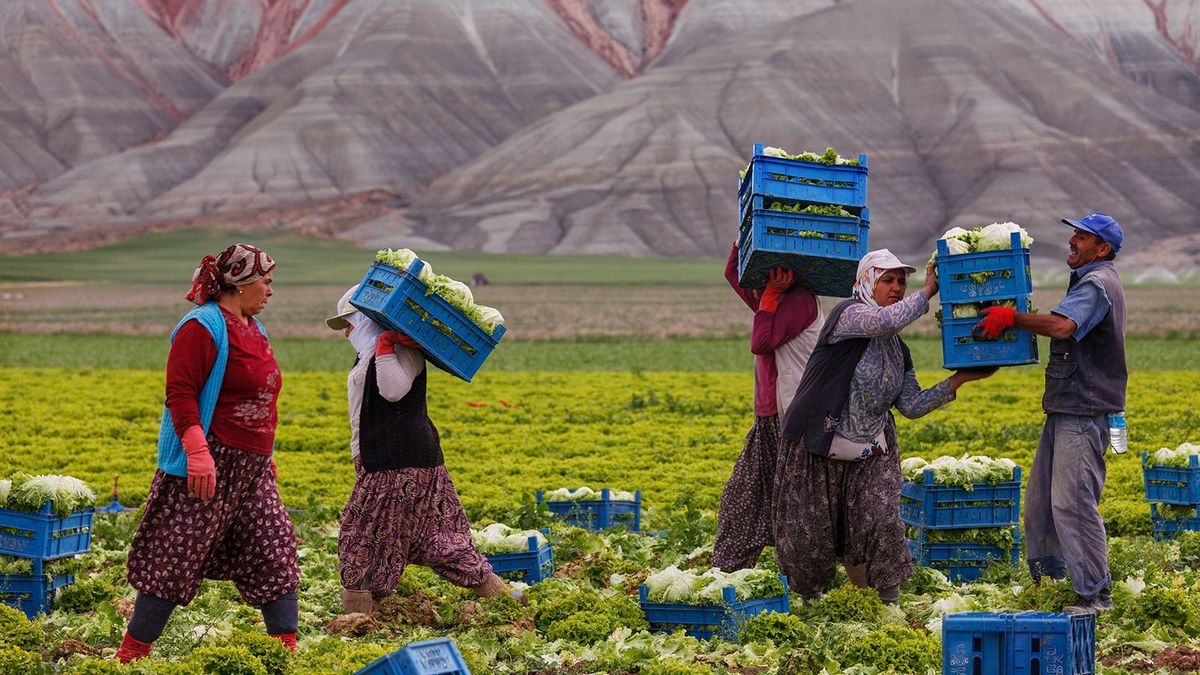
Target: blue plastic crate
<point>532,566</point>
<point>429,657</point>
<point>824,265</point>
<point>1022,643</point>
<point>1008,269</point>
<point>44,535</point>
<point>943,507</point>
<point>814,182</point>
<point>961,348</point>
<point>1170,529</point>
<point>1172,485</point>
<point>599,514</point>
<point>401,301</point>
<point>31,594</point>
<point>961,561</point>
<point>708,621</point>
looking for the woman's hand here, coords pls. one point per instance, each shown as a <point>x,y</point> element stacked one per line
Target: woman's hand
<point>968,374</point>
<point>931,281</point>
<point>201,471</point>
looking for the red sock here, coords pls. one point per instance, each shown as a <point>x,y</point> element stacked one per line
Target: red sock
<point>288,639</point>
<point>132,648</point>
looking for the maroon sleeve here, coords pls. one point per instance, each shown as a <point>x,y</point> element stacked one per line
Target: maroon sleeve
<point>731,275</point>
<point>796,312</point>
<point>192,355</point>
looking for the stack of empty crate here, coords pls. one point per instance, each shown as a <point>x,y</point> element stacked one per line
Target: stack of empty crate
<point>1178,487</point>
<point>40,538</point>
<point>822,250</point>
<point>937,515</point>
<point>984,278</point>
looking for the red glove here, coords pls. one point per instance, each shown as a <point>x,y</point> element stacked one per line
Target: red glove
<point>778,281</point>
<point>386,342</point>
<point>201,472</point>
<point>995,321</point>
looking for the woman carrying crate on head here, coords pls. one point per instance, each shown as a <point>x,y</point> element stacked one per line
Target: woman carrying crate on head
<point>787,320</point>
<point>837,482</point>
<point>403,507</point>
<point>213,511</point>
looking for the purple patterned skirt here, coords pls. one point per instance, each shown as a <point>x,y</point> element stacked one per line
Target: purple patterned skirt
<point>744,519</point>
<point>242,534</point>
<point>402,516</point>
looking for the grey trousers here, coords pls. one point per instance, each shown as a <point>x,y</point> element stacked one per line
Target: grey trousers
<point>1063,528</point>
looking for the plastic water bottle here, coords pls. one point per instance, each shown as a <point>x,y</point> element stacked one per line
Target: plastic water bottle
<point>1117,437</point>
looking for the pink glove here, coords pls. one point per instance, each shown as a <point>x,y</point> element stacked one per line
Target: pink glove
<point>201,472</point>
<point>274,470</point>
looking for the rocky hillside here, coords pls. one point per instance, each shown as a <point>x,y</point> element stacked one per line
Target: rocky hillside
<point>588,126</point>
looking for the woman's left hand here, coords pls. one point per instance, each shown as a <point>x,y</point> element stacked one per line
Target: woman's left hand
<point>931,281</point>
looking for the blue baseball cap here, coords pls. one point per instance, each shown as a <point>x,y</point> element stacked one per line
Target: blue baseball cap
<point>1102,225</point>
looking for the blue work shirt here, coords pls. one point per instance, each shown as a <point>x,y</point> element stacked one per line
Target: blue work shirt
<point>1085,304</point>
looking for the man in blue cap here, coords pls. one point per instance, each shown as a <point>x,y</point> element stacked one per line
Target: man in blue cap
<point>1085,381</point>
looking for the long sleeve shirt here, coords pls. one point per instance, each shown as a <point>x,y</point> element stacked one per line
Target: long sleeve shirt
<point>245,415</point>
<point>880,379</point>
<point>796,314</point>
<point>394,375</point>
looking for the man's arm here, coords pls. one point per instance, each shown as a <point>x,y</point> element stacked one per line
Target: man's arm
<point>1050,325</point>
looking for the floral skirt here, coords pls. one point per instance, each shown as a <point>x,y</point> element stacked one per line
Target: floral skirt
<point>402,516</point>
<point>242,534</point>
<point>744,519</point>
<point>829,510</point>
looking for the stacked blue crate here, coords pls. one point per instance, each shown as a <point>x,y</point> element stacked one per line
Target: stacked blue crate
<point>707,621</point>
<point>1177,486</point>
<point>40,537</point>
<point>927,506</point>
<point>1022,643</point>
<point>822,250</point>
<point>1007,279</point>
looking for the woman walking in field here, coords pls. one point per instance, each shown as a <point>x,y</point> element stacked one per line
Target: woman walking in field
<point>403,507</point>
<point>787,320</point>
<point>213,511</point>
<point>837,483</point>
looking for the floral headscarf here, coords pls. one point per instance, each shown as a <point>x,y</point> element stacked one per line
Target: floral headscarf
<point>238,265</point>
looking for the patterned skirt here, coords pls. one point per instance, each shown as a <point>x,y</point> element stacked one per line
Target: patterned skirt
<point>829,510</point>
<point>242,534</point>
<point>402,516</point>
<point>744,519</point>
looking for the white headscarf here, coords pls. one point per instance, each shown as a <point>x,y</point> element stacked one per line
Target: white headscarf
<point>864,286</point>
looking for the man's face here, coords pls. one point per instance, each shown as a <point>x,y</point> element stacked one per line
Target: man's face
<point>1085,248</point>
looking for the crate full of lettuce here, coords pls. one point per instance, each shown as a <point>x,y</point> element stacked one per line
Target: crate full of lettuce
<point>402,292</point>
<point>1172,476</point>
<point>595,509</point>
<point>980,268</point>
<point>711,603</point>
<point>516,555</point>
<point>806,213</point>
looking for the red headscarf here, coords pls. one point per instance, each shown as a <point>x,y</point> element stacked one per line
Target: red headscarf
<point>238,265</point>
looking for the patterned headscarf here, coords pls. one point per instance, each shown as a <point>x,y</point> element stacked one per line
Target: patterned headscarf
<point>238,265</point>
<point>864,286</point>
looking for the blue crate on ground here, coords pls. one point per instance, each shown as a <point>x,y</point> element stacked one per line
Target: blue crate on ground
<point>44,535</point>
<point>942,507</point>
<point>823,264</point>
<point>961,348</point>
<point>429,657</point>
<point>708,621</point>
<point>1022,643</point>
<point>1008,270</point>
<point>793,179</point>
<point>599,514</point>
<point>400,301</point>
<point>1170,484</point>
<point>961,561</point>
<point>32,594</point>
<point>532,566</point>
<point>1171,528</point>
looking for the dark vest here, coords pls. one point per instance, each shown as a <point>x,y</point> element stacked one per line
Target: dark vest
<point>396,435</point>
<point>1088,377</point>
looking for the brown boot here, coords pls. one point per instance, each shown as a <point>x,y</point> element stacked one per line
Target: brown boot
<point>359,602</point>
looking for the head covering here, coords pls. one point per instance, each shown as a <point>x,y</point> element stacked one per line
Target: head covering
<point>238,265</point>
<point>1102,225</point>
<point>365,332</point>
<point>870,268</point>
<point>344,309</point>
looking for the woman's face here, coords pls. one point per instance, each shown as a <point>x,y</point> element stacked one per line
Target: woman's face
<point>348,329</point>
<point>890,288</point>
<point>255,295</point>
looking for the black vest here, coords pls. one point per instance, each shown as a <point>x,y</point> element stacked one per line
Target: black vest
<point>1088,377</point>
<point>396,435</point>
